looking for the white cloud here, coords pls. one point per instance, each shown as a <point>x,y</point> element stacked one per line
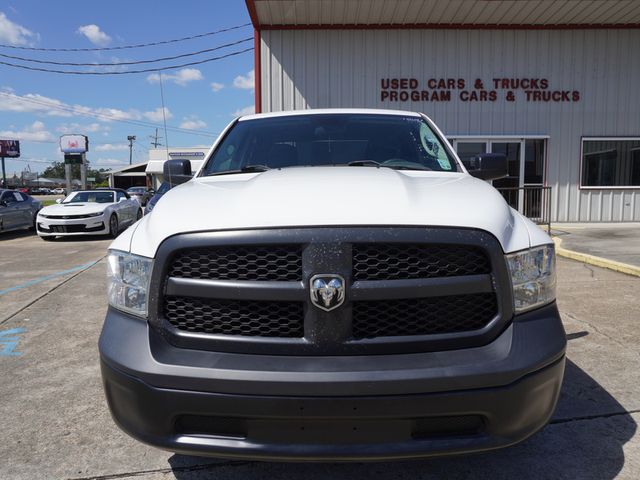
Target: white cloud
<point>36,132</point>
<point>216,87</point>
<point>82,129</point>
<point>95,35</point>
<point>192,122</point>
<point>14,34</point>
<point>182,77</point>
<point>39,104</point>
<point>245,83</point>
<point>250,110</point>
<point>111,147</point>
<point>31,103</point>
<point>156,115</point>
<point>110,162</point>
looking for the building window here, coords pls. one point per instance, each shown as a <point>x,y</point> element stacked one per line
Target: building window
<point>611,162</point>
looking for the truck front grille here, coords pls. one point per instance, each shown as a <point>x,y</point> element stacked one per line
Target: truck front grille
<point>247,318</point>
<point>423,316</point>
<point>258,263</point>
<point>394,261</point>
<point>407,289</point>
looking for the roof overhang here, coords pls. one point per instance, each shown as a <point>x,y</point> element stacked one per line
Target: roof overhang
<point>444,14</point>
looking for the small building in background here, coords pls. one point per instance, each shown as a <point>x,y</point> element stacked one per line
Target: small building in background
<point>130,176</point>
<point>158,156</point>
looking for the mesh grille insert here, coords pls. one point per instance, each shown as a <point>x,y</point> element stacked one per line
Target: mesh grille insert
<point>423,316</point>
<point>254,263</point>
<point>230,317</point>
<point>397,261</point>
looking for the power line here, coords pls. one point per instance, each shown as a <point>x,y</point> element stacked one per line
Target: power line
<point>127,72</point>
<point>124,47</point>
<point>82,112</point>
<point>136,62</point>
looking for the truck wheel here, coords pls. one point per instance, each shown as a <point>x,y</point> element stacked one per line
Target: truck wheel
<point>113,226</point>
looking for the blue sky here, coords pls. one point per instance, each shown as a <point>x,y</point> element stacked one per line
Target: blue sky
<point>38,107</point>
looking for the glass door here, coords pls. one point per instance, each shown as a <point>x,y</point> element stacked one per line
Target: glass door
<point>526,161</point>
<point>510,186</point>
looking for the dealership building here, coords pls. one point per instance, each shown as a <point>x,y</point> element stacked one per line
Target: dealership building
<point>551,84</point>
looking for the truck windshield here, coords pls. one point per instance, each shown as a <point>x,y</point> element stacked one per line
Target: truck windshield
<point>376,140</point>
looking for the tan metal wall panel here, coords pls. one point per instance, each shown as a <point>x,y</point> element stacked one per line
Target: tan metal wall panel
<point>343,68</point>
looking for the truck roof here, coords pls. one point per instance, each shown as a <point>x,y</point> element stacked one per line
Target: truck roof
<point>369,111</point>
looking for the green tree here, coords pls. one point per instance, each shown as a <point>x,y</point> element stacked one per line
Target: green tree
<point>56,170</point>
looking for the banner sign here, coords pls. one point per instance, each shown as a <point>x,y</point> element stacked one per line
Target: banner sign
<point>10,148</point>
<point>73,159</point>
<point>474,90</point>
<point>74,143</point>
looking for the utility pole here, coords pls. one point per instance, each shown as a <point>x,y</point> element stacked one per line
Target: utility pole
<point>4,175</point>
<point>131,138</point>
<point>155,143</point>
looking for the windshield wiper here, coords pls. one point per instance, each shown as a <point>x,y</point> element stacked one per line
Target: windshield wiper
<point>373,163</point>
<point>364,163</point>
<point>245,169</point>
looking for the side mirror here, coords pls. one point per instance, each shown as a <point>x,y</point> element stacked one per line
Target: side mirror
<point>58,200</point>
<point>176,171</point>
<point>488,166</point>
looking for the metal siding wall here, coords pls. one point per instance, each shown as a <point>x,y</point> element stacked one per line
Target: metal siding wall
<point>343,68</point>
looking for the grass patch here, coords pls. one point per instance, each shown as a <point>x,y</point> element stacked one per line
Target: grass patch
<point>46,203</point>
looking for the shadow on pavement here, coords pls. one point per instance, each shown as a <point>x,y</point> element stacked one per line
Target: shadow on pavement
<point>584,440</point>
<point>12,235</point>
<point>81,238</point>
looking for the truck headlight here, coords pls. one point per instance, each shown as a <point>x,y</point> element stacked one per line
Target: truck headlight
<point>128,279</point>
<point>533,277</point>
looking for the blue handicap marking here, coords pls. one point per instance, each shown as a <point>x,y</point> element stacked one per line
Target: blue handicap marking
<point>9,341</point>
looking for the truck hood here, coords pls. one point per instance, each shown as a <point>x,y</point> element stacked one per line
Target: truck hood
<point>328,196</point>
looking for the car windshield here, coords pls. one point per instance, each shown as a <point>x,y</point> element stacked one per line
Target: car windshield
<point>90,197</point>
<point>394,141</point>
<point>136,190</point>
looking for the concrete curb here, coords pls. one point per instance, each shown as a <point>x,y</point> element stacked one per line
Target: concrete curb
<point>597,261</point>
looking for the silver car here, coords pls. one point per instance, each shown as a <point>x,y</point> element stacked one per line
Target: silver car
<point>142,194</point>
<point>17,210</point>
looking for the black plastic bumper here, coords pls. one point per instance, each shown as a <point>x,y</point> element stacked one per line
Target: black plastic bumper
<point>333,408</point>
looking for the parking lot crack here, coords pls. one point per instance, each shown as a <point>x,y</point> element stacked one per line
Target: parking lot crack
<point>593,417</point>
<point>51,290</point>
<point>597,330</point>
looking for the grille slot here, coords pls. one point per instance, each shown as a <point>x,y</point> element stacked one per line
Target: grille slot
<point>255,263</point>
<point>229,317</point>
<point>423,316</point>
<point>398,261</point>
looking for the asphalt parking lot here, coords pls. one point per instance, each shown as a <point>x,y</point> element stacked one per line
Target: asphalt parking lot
<point>55,423</point>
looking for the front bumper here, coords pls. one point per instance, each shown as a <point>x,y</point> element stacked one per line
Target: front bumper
<point>333,408</point>
<point>59,227</point>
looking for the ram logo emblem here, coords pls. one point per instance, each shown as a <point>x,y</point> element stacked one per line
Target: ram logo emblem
<point>327,291</point>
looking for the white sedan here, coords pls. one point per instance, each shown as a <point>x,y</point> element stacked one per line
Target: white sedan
<point>89,212</point>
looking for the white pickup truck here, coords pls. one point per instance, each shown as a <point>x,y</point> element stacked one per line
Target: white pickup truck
<point>332,285</point>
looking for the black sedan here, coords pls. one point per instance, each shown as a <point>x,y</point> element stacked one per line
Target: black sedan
<point>17,210</point>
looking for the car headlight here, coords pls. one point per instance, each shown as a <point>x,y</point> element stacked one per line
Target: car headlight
<point>533,277</point>
<point>128,282</point>
<point>97,214</point>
